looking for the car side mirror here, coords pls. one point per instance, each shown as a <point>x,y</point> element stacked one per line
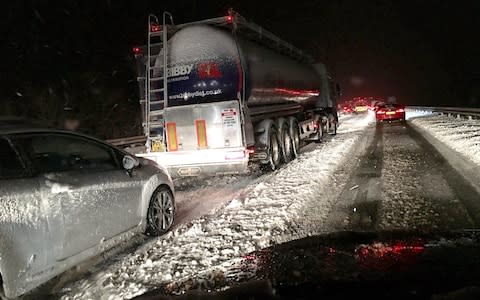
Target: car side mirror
<point>129,162</point>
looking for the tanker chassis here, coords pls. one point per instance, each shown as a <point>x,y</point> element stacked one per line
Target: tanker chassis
<point>231,93</point>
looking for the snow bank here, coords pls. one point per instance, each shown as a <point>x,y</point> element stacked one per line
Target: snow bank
<point>289,203</point>
<point>462,135</point>
<point>415,113</point>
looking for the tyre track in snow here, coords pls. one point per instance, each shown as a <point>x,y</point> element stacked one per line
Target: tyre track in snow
<point>466,194</point>
<point>358,204</point>
<point>196,197</point>
<point>405,183</point>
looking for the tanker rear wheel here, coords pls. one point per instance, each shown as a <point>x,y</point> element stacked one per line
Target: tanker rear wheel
<point>274,151</point>
<point>286,140</point>
<point>294,137</point>
<point>333,130</point>
<point>333,124</point>
<point>319,134</point>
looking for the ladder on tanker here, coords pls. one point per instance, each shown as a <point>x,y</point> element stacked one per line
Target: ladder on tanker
<point>156,87</point>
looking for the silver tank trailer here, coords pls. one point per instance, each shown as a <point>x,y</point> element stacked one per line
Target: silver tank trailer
<point>271,77</point>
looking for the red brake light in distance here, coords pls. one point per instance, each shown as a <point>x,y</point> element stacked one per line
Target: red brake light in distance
<point>229,19</point>
<point>154,27</point>
<point>137,50</point>
<point>400,110</point>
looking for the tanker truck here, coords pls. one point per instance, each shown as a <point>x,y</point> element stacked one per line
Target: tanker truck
<point>221,93</point>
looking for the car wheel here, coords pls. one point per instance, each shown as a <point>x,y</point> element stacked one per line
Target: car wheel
<point>161,211</point>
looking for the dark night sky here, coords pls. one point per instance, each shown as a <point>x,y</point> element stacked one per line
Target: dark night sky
<point>422,52</point>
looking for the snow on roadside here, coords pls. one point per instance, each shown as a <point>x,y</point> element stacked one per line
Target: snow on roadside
<point>414,113</point>
<point>354,122</point>
<point>289,203</point>
<point>462,135</point>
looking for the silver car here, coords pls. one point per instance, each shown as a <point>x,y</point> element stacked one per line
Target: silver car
<point>67,197</point>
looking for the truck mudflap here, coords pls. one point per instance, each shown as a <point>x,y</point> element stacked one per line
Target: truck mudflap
<point>205,162</point>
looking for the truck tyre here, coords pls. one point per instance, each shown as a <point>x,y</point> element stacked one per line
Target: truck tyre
<point>319,135</point>
<point>285,140</point>
<point>274,151</point>
<point>333,125</point>
<point>294,136</point>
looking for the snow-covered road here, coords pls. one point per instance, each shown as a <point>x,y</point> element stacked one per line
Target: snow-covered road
<point>404,182</point>
<point>196,197</point>
<point>224,218</point>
